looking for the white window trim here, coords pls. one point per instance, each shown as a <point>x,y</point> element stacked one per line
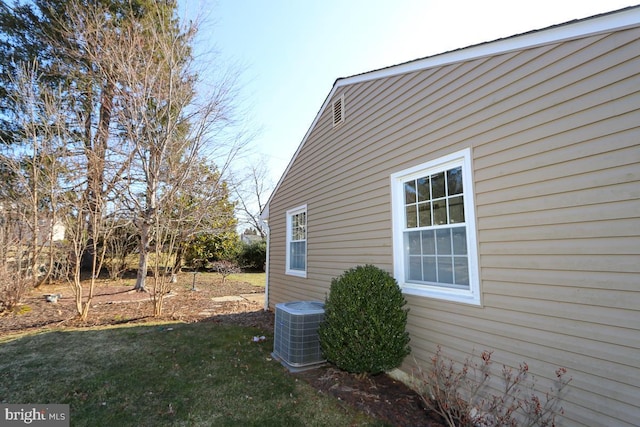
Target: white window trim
<point>289,271</point>
<point>460,158</point>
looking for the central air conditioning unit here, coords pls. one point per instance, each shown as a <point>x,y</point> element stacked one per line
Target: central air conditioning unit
<point>295,339</point>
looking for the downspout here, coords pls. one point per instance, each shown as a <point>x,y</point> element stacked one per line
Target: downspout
<point>265,224</point>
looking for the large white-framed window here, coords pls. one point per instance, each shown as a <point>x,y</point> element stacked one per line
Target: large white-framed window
<point>434,232</point>
<point>297,242</point>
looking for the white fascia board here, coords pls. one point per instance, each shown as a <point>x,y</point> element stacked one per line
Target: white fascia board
<point>264,215</point>
<point>610,21</point>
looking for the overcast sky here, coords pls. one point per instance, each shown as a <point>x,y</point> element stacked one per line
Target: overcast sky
<point>292,51</point>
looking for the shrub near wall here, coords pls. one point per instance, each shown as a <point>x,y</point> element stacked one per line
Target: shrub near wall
<point>364,328</point>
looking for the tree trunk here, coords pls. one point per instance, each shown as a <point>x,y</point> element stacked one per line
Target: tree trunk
<point>85,311</point>
<point>144,257</point>
<point>96,151</point>
<point>142,272</point>
<point>158,300</point>
<point>35,199</point>
<point>78,288</point>
<point>51,256</point>
<point>33,258</point>
<point>177,265</point>
<point>148,217</point>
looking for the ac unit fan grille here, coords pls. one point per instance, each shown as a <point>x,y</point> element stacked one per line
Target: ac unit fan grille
<point>296,343</point>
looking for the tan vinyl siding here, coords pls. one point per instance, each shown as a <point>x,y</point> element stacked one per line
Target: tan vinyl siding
<point>555,138</point>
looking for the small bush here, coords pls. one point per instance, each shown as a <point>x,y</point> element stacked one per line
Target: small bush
<point>364,322</point>
<point>225,268</point>
<point>463,398</point>
<point>13,287</point>
<point>253,255</point>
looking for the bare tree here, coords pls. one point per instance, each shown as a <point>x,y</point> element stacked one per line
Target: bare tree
<point>173,129</point>
<point>13,257</point>
<point>119,245</point>
<point>75,225</point>
<point>67,145</point>
<point>143,64</point>
<point>39,199</point>
<point>199,203</point>
<point>32,168</point>
<point>94,41</point>
<point>73,44</point>
<point>252,191</point>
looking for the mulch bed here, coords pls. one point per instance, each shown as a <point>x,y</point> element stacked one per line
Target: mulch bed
<point>379,396</point>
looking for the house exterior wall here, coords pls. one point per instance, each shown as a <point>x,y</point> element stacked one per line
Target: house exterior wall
<point>555,137</point>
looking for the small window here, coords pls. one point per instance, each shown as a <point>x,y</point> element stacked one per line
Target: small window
<point>338,111</point>
<point>434,249</point>
<point>296,252</point>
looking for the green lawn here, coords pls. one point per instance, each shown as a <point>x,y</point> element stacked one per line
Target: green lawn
<point>256,279</point>
<point>200,374</point>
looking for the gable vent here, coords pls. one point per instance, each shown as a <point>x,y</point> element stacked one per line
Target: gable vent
<point>338,111</point>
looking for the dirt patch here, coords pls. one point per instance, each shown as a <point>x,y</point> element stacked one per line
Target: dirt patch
<point>379,396</point>
<point>115,303</point>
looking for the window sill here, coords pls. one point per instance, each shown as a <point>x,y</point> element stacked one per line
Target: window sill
<point>452,295</point>
<point>297,273</point>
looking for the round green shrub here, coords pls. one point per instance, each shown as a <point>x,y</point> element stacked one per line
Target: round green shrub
<point>364,322</point>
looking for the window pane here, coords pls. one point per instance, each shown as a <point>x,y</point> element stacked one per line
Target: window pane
<point>443,238</point>
<point>454,181</point>
<point>456,210</point>
<point>423,189</point>
<point>437,186</point>
<point>445,269</point>
<point>298,226</point>
<point>409,192</point>
<point>440,212</point>
<point>424,214</point>
<point>462,270</point>
<point>298,249</point>
<point>460,240</point>
<point>413,242</point>
<point>415,268</point>
<point>412,220</point>
<point>429,269</point>
<point>428,243</point>
<point>297,253</point>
